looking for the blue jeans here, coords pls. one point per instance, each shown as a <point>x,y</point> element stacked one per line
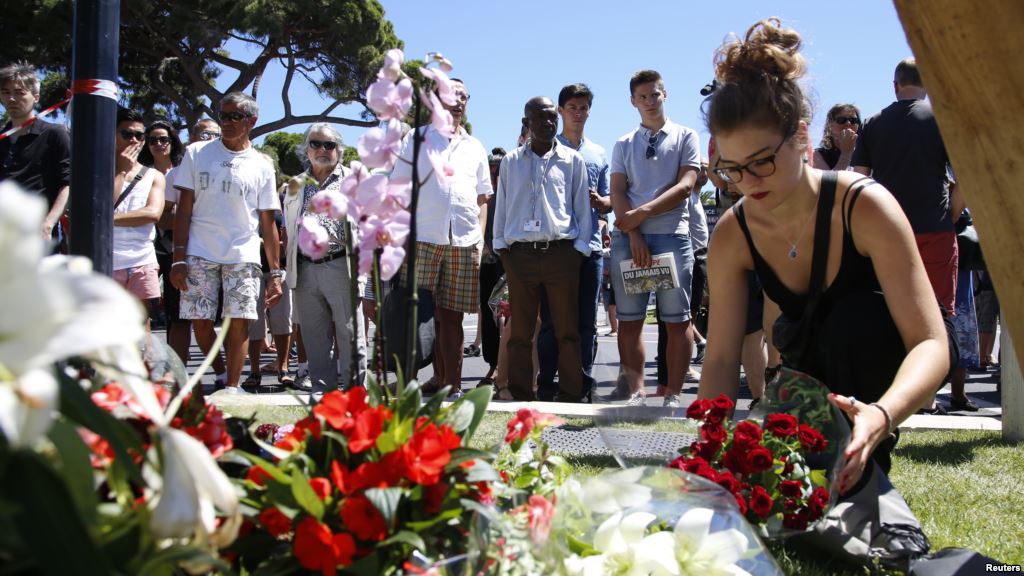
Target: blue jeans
<point>547,348</point>
<point>673,305</point>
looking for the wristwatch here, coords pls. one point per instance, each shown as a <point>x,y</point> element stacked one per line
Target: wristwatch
<point>278,273</point>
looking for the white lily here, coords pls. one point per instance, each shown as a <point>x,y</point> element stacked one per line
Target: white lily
<point>691,550</point>
<point>621,543</point>
<point>191,489</point>
<point>613,492</point>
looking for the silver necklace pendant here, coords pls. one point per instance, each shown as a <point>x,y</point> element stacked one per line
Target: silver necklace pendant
<point>792,253</point>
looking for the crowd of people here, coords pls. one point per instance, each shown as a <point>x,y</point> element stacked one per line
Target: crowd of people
<point>858,234</point>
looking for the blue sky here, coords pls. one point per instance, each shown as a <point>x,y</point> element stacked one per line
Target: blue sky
<point>510,52</point>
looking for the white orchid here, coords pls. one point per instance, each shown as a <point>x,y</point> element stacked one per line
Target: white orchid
<point>691,550</point>
<point>621,543</point>
<point>616,491</point>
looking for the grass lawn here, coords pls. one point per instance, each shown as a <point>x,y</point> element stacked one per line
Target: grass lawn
<point>964,487</point>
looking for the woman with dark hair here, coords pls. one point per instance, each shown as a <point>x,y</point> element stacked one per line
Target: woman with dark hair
<point>163,149</point>
<point>841,128</point>
<point>878,337</point>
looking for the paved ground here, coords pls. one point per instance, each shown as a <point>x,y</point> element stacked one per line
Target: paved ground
<point>982,387</point>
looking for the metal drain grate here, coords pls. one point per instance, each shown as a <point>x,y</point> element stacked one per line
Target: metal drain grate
<point>580,441</point>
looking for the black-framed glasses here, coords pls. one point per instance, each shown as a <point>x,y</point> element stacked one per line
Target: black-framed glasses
<point>232,116</point>
<point>133,135</point>
<point>158,140</point>
<point>761,168</point>
<point>843,120</point>
<point>209,135</point>
<point>325,144</point>
<point>651,150</point>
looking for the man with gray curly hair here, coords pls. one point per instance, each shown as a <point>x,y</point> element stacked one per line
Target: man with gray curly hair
<point>38,156</point>
<point>227,201</point>
<point>322,286</point>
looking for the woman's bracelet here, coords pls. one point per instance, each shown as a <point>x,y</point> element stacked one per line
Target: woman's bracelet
<point>888,417</point>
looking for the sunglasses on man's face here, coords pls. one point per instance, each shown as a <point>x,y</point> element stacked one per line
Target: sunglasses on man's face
<point>158,140</point>
<point>133,135</point>
<point>844,120</point>
<point>325,144</point>
<point>232,116</point>
<point>209,135</point>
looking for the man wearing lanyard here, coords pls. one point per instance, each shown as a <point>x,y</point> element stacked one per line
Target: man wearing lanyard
<point>450,219</point>
<point>542,231</point>
<point>574,103</point>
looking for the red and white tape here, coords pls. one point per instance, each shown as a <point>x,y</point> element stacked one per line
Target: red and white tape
<point>104,88</point>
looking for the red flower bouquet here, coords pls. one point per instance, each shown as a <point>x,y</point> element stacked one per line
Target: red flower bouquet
<point>765,466</point>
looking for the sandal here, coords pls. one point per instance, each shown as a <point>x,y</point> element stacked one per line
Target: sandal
<point>485,382</point>
<point>269,368</point>
<point>253,381</point>
<point>503,392</point>
<point>432,386</point>
<point>965,405</point>
<point>285,379</point>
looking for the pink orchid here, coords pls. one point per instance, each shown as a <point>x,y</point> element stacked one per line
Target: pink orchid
<point>442,169</point>
<point>387,233</point>
<point>379,147</point>
<point>371,194</point>
<point>439,117</point>
<point>331,202</point>
<point>389,99</point>
<point>313,238</point>
<point>392,69</point>
<point>444,63</point>
<point>350,183</point>
<point>445,86</point>
<point>399,194</point>
<point>391,259</point>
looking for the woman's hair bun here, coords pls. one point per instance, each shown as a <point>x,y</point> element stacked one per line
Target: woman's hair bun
<point>768,49</point>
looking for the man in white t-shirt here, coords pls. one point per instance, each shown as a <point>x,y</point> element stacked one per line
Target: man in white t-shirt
<point>138,203</point>
<point>226,190</point>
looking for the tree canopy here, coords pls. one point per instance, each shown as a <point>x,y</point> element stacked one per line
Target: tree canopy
<point>172,51</point>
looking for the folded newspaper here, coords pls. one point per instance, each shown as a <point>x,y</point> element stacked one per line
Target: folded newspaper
<point>660,275</point>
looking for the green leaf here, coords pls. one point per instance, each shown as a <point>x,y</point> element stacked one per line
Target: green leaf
<point>412,399</point>
<point>461,416</point>
<point>76,468</point>
<point>386,500</point>
<point>367,566</point>
<point>51,529</point>
<point>435,520</point>
<point>78,407</point>
<point>432,406</point>
<point>580,547</point>
<point>482,471</point>
<point>406,537</point>
<point>272,470</point>
<point>305,496</point>
<point>460,455</point>
<point>479,397</point>
<point>819,478</point>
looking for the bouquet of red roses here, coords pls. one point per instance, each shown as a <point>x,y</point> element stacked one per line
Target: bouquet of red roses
<point>765,467</point>
<point>363,482</point>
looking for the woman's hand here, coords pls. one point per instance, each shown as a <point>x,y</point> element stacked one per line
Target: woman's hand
<point>870,427</point>
<point>847,141</point>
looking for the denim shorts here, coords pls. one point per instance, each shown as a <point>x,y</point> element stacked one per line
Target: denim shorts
<point>674,305</point>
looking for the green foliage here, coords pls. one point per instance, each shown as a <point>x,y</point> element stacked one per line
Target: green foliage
<point>349,155</point>
<point>283,144</point>
<point>171,52</point>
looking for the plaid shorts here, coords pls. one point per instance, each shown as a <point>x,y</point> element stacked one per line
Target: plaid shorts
<point>452,273</point>
<point>241,283</point>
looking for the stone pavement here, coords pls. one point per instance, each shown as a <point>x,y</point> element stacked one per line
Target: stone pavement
<point>981,387</point>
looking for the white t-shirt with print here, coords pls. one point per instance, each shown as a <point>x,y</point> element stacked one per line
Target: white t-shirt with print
<point>231,189</point>
<point>133,245</point>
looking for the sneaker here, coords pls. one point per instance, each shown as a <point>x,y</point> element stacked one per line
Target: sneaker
<point>672,401</point>
<point>303,383</point>
<point>699,358</point>
<point>455,395</point>
<point>236,390</point>
<point>637,399</point>
<point>965,405</point>
<point>939,410</point>
<point>471,351</point>
<point>692,376</point>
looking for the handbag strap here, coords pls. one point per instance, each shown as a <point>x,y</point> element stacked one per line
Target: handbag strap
<point>822,229</point>
<point>131,186</point>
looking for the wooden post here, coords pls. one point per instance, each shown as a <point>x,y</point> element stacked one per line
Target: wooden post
<point>967,55</point>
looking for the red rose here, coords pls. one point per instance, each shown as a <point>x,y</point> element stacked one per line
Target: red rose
<point>428,452</point>
<point>797,520</point>
<point>697,409</point>
<point>714,416</point>
<point>706,450</point>
<point>792,488</point>
<point>790,505</point>
<point>741,503</point>
<point>722,402</point>
<point>817,502</point>
<point>711,432</point>
<point>316,548</point>
<point>383,474</point>
<point>747,434</point>
<point>811,439</point>
<point>275,522</point>
<point>368,426</point>
<point>758,459</point>
<point>696,465</point>
<point>321,486</point>
<point>728,481</point>
<point>339,409</point>
<point>735,460</point>
<point>257,476</point>
<point>363,519</point>
<point>761,502</point>
<point>781,425</point>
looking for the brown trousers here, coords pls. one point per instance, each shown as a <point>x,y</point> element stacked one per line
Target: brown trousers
<point>557,269</point>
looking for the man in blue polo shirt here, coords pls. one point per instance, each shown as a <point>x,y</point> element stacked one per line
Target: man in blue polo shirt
<point>653,170</point>
<point>574,103</point>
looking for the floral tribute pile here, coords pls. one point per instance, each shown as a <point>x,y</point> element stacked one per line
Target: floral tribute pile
<point>363,482</point>
<point>765,467</point>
